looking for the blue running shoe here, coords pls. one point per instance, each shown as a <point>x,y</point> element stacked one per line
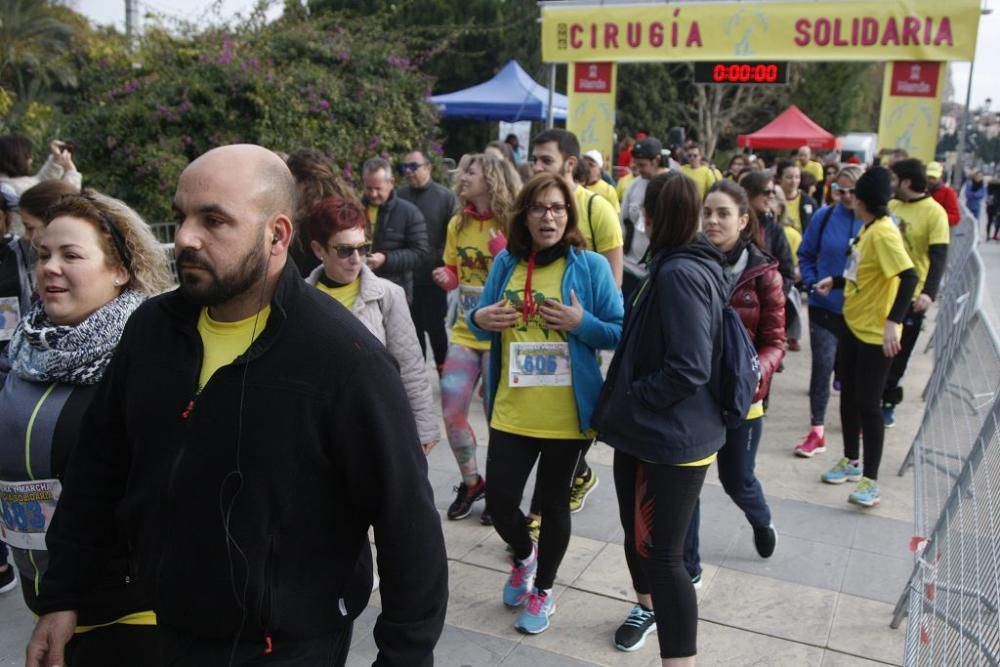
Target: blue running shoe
<point>866,495</point>
<point>515,591</point>
<point>888,415</point>
<point>534,618</point>
<point>842,472</point>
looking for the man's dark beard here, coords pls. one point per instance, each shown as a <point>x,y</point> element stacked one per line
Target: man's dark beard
<point>215,289</point>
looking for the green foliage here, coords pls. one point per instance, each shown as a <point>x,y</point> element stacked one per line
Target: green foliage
<point>35,36</point>
<point>344,85</point>
<point>840,96</point>
<point>458,43</point>
<point>645,92</point>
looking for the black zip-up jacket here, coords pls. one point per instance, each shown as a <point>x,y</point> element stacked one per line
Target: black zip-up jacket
<point>401,235</point>
<point>776,245</point>
<point>246,508</point>
<point>659,400</point>
<point>437,205</point>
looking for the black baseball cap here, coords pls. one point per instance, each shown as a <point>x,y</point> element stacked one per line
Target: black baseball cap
<point>648,149</point>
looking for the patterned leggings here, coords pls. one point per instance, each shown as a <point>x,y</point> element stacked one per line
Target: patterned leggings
<point>462,367</point>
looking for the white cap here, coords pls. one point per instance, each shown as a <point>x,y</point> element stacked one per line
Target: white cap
<point>595,155</point>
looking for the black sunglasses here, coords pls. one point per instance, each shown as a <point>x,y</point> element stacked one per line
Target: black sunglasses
<point>407,167</point>
<point>344,251</point>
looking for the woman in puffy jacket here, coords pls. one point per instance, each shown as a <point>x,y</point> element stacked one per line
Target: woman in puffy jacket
<point>758,298</point>
<point>336,228</point>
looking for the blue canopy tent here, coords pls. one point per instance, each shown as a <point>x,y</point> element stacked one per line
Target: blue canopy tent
<point>511,95</point>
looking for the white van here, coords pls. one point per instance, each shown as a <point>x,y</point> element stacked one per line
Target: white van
<point>863,145</point>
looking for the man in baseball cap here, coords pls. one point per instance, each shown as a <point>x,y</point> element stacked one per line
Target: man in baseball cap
<point>943,193</point>
<point>649,159</point>
<point>593,163</point>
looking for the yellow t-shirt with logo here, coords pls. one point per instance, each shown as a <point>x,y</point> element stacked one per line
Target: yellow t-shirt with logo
<point>923,223</point>
<point>535,411</point>
<point>877,257</point>
<point>223,342</point>
<point>372,212</point>
<point>345,294</point>
<point>467,249</point>
<point>602,230</point>
<point>794,238</point>
<point>703,178</point>
<point>607,191</point>
<point>622,185</point>
<point>794,213</point>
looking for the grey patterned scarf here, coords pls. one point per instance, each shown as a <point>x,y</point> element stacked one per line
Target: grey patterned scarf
<point>44,352</point>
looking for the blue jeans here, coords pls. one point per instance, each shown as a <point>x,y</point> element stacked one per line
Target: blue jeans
<point>825,328</point>
<point>736,462</point>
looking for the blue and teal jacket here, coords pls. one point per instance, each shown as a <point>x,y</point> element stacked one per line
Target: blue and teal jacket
<point>823,252</point>
<point>589,275</point>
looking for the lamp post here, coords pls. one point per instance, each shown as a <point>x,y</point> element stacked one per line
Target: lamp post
<point>959,172</point>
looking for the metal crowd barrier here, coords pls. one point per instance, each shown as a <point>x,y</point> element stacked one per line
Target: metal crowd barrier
<point>953,594</point>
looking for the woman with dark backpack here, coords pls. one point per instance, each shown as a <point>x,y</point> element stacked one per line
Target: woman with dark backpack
<point>758,298</point>
<point>660,410</point>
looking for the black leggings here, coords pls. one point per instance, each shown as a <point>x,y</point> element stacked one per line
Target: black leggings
<point>893,392</point>
<point>581,470</point>
<point>655,503</point>
<point>509,461</point>
<point>863,372</point>
<point>429,310</point>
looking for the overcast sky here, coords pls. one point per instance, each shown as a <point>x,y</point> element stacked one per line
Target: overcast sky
<point>985,83</point>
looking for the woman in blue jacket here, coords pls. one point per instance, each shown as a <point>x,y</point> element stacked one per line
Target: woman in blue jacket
<point>823,253</point>
<point>547,307</point>
<point>975,193</point>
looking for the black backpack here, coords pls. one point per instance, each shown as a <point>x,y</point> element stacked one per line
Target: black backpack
<point>740,373</point>
<point>740,369</point>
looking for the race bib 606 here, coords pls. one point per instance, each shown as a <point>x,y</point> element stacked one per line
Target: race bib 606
<point>539,365</point>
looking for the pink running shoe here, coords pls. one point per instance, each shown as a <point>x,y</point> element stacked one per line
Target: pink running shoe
<point>813,444</point>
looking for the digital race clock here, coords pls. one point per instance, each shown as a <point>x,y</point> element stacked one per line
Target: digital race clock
<point>757,73</point>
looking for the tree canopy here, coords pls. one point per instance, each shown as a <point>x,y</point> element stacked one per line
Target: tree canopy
<point>343,84</point>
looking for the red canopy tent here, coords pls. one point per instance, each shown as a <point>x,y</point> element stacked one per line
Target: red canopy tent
<point>790,130</point>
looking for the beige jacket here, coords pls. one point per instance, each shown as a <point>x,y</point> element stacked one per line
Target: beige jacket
<point>381,307</point>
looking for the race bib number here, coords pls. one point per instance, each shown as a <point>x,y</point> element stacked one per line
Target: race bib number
<point>468,299</point>
<point>539,365</point>
<point>10,315</point>
<point>27,509</point>
<point>851,267</point>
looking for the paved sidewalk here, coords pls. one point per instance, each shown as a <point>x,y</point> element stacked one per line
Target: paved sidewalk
<point>824,598</point>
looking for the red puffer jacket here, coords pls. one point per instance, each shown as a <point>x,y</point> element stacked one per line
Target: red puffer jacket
<point>759,299</point>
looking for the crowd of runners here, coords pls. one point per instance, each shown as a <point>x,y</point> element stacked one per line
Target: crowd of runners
<point>191,476</point>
